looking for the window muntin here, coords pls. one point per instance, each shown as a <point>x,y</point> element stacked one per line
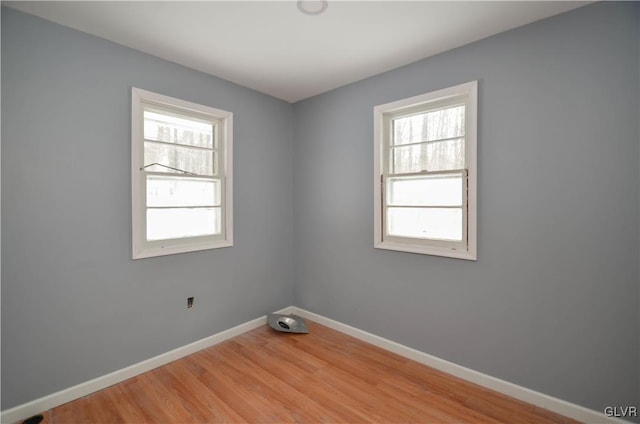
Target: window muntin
<point>438,155</point>
<point>181,175</point>
<point>170,127</point>
<point>436,124</point>
<point>425,173</point>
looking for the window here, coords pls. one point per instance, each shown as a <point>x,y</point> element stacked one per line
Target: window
<point>181,176</point>
<point>425,173</point>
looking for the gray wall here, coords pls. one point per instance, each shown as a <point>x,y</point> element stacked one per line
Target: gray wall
<point>75,306</point>
<point>552,302</point>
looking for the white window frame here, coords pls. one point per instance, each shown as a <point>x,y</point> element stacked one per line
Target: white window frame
<point>383,114</point>
<point>141,247</point>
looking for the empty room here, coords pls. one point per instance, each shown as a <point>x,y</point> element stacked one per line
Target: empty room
<point>320,211</point>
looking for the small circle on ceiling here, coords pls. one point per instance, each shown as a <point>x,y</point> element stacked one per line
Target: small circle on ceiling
<point>312,7</point>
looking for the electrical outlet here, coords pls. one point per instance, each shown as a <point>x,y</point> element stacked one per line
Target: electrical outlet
<point>189,302</point>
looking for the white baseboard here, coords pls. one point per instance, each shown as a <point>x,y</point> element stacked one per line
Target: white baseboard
<point>541,400</point>
<point>29,409</point>
<point>21,412</point>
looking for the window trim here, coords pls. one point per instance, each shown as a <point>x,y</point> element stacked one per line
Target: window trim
<point>432,100</point>
<point>142,248</point>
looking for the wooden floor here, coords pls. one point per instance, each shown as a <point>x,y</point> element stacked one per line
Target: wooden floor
<point>264,376</point>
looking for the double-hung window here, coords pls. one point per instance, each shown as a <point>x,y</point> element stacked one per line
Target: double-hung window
<point>181,176</point>
<point>425,173</point>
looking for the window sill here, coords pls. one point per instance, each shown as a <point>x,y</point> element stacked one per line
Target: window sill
<point>427,250</point>
<point>172,250</point>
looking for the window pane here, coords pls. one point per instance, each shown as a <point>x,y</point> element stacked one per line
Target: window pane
<point>435,156</point>
<point>433,190</point>
<point>172,223</point>
<point>443,224</point>
<point>195,161</point>
<point>435,125</point>
<point>173,128</point>
<point>180,191</point>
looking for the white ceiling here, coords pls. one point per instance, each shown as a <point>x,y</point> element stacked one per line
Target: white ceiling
<point>272,47</point>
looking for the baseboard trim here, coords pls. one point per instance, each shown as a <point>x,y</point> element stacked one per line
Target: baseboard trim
<point>541,400</point>
<point>29,409</point>
<point>577,412</point>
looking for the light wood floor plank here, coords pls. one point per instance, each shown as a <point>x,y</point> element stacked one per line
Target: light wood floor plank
<point>264,376</point>
<point>217,409</point>
<point>305,407</point>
